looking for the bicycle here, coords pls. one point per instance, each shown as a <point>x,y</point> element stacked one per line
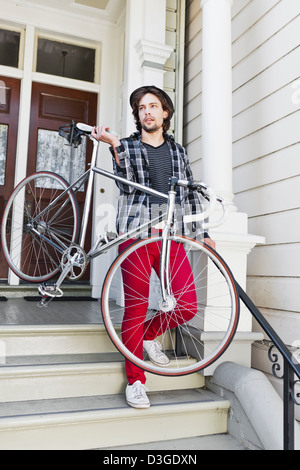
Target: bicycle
<point>43,240</point>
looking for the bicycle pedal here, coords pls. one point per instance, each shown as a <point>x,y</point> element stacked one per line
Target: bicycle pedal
<point>50,290</point>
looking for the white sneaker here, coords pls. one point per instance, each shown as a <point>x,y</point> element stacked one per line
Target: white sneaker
<point>136,395</point>
<point>153,349</point>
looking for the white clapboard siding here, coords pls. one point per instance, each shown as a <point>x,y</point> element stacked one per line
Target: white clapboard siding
<point>170,65</point>
<point>193,69</point>
<point>283,72</point>
<point>195,111</point>
<point>266,151</point>
<point>246,14</point>
<point>266,141</point>
<point>171,36</point>
<point>273,167</point>
<point>277,197</point>
<point>277,228</point>
<point>192,113</point>
<point>278,135</point>
<point>268,53</point>
<point>265,112</point>
<point>267,17</point>
<point>193,89</point>
<point>275,260</point>
<point>277,294</point>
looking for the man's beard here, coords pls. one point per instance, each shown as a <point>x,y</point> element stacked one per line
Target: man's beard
<point>150,130</point>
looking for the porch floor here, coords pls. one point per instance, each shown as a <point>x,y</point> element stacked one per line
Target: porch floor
<point>18,311</point>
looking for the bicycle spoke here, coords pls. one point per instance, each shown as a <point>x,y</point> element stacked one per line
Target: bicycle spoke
<point>34,233</point>
<point>214,308</point>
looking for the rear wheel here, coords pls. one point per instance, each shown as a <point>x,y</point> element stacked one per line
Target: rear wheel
<point>41,220</point>
<point>193,344</point>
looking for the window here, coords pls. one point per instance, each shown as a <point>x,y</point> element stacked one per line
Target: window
<point>65,60</point>
<point>9,47</point>
<point>54,155</point>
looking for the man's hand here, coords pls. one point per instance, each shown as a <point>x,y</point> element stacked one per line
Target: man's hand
<point>102,134</point>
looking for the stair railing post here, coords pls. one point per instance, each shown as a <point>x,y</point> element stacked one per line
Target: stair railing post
<point>289,407</point>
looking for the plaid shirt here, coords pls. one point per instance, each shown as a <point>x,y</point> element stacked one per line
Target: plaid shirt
<point>134,206</point>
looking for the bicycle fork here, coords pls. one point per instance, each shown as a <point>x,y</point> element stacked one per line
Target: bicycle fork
<point>167,302</point>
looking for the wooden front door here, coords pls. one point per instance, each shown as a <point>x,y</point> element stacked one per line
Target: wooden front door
<point>9,116</point>
<point>51,108</point>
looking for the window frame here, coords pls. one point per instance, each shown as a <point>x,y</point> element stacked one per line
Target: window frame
<point>71,41</point>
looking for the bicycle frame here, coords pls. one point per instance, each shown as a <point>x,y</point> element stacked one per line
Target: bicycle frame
<point>94,252</point>
<point>167,230</point>
<point>164,263</point>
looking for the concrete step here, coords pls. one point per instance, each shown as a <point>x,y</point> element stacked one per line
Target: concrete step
<point>47,339</point>
<point>190,444</point>
<point>103,421</point>
<point>74,375</point>
<point>18,292</point>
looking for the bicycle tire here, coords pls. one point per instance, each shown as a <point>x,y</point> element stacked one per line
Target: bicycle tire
<point>200,341</point>
<point>33,244</point>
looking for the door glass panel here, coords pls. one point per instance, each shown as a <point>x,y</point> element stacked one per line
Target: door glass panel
<point>54,155</point>
<point>9,47</point>
<point>65,60</point>
<point>3,150</point>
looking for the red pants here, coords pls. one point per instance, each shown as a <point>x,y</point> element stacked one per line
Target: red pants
<point>136,271</point>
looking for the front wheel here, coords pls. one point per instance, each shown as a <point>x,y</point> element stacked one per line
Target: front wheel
<point>196,324</point>
<point>41,220</point>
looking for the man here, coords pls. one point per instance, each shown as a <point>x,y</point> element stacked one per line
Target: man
<point>150,157</point>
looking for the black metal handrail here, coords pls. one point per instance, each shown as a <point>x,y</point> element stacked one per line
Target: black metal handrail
<point>290,367</point>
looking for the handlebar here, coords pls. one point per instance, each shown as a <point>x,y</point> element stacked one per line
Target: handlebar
<point>73,132</point>
<point>84,127</point>
<point>88,129</point>
<point>209,194</point>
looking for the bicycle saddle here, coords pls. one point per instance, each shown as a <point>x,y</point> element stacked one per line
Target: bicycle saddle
<point>71,133</point>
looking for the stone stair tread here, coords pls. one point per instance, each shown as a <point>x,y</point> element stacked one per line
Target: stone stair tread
<point>64,359</point>
<point>61,359</point>
<point>212,442</point>
<point>103,402</point>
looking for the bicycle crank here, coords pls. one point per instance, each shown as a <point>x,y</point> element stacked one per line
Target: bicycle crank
<point>74,261</point>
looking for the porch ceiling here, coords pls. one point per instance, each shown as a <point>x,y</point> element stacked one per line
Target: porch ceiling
<point>104,10</point>
<point>100,4</point>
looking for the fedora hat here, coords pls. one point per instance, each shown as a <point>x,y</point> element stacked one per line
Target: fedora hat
<point>151,89</point>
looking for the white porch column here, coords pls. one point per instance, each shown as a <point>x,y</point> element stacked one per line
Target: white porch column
<point>145,50</point>
<point>217,96</point>
<point>232,239</point>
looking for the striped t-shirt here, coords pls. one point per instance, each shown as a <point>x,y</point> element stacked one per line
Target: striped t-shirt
<point>160,168</point>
